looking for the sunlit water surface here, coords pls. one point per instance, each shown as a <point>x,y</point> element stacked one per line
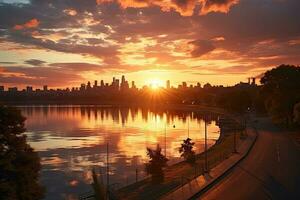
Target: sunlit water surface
<point>71,140</point>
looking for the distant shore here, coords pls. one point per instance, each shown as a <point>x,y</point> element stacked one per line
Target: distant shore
<point>186,107</point>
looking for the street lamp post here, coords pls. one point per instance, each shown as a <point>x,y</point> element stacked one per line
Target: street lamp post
<point>234,141</point>
<point>205,150</point>
<point>107,171</point>
<point>166,140</point>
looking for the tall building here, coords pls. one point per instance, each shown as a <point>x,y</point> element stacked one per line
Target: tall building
<point>117,84</point>
<point>1,88</point>
<point>133,86</point>
<point>253,81</point>
<point>45,87</point>
<point>13,89</point>
<point>184,84</point>
<point>124,83</point>
<point>82,87</point>
<point>168,84</point>
<point>29,89</point>
<point>95,84</point>
<point>88,87</point>
<point>102,83</point>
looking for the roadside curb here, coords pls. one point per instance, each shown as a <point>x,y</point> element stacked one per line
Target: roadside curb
<point>227,171</point>
<point>199,185</point>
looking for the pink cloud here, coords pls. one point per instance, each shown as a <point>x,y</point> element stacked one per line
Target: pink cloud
<point>33,23</point>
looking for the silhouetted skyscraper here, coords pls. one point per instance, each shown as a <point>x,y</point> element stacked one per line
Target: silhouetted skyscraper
<point>88,85</point>
<point>13,89</point>
<point>124,83</point>
<point>29,89</point>
<point>253,81</point>
<point>133,85</point>
<point>1,88</point>
<point>45,88</point>
<point>168,84</point>
<point>82,87</point>
<point>117,84</point>
<point>95,84</point>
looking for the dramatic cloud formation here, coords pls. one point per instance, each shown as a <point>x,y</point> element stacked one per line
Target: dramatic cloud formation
<point>184,7</point>
<point>62,43</point>
<point>217,6</point>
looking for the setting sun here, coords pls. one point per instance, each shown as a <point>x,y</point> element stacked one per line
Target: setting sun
<point>155,83</point>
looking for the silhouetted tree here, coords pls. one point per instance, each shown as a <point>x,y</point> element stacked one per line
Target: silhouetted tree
<point>187,152</point>
<point>281,87</point>
<point>235,100</point>
<point>297,113</point>
<point>19,164</point>
<point>156,163</point>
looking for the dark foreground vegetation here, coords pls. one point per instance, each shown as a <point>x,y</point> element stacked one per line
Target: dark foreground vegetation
<point>19,164</point>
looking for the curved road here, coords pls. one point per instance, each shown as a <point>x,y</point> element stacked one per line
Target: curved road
<point>270,171</point>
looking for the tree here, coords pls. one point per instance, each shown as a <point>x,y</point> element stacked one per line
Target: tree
<point>187,152</point>
<point>19,163</point>
<point>297,113</point>
<point>281,88</point>
<point>236,100</point>
<point>156,164</point>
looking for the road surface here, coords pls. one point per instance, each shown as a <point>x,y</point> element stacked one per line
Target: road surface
<point>270,171</point>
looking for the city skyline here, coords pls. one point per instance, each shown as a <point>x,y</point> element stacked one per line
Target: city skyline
<point>119,85</point>
<point>64,43</point>
<point>102,84</point>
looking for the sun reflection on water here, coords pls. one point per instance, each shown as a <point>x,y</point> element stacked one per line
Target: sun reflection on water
<point>72,139</point>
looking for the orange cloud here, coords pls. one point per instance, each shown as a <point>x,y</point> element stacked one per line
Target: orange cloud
<point>184,7</point>
<point>33,23</point>
<point>222,6</point>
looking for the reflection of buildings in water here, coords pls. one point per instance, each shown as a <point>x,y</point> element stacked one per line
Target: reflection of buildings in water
<point>128,130</point>
<point>73,139</point>
<point>115,113</point>
<point>134,125</point>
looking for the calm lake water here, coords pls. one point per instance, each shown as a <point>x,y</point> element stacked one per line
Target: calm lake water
<point>71,140</point>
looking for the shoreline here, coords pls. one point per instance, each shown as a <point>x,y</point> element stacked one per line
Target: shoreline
<point>187,107</point>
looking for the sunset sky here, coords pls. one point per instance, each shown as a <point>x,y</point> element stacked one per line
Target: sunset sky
<point>63,43</point>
